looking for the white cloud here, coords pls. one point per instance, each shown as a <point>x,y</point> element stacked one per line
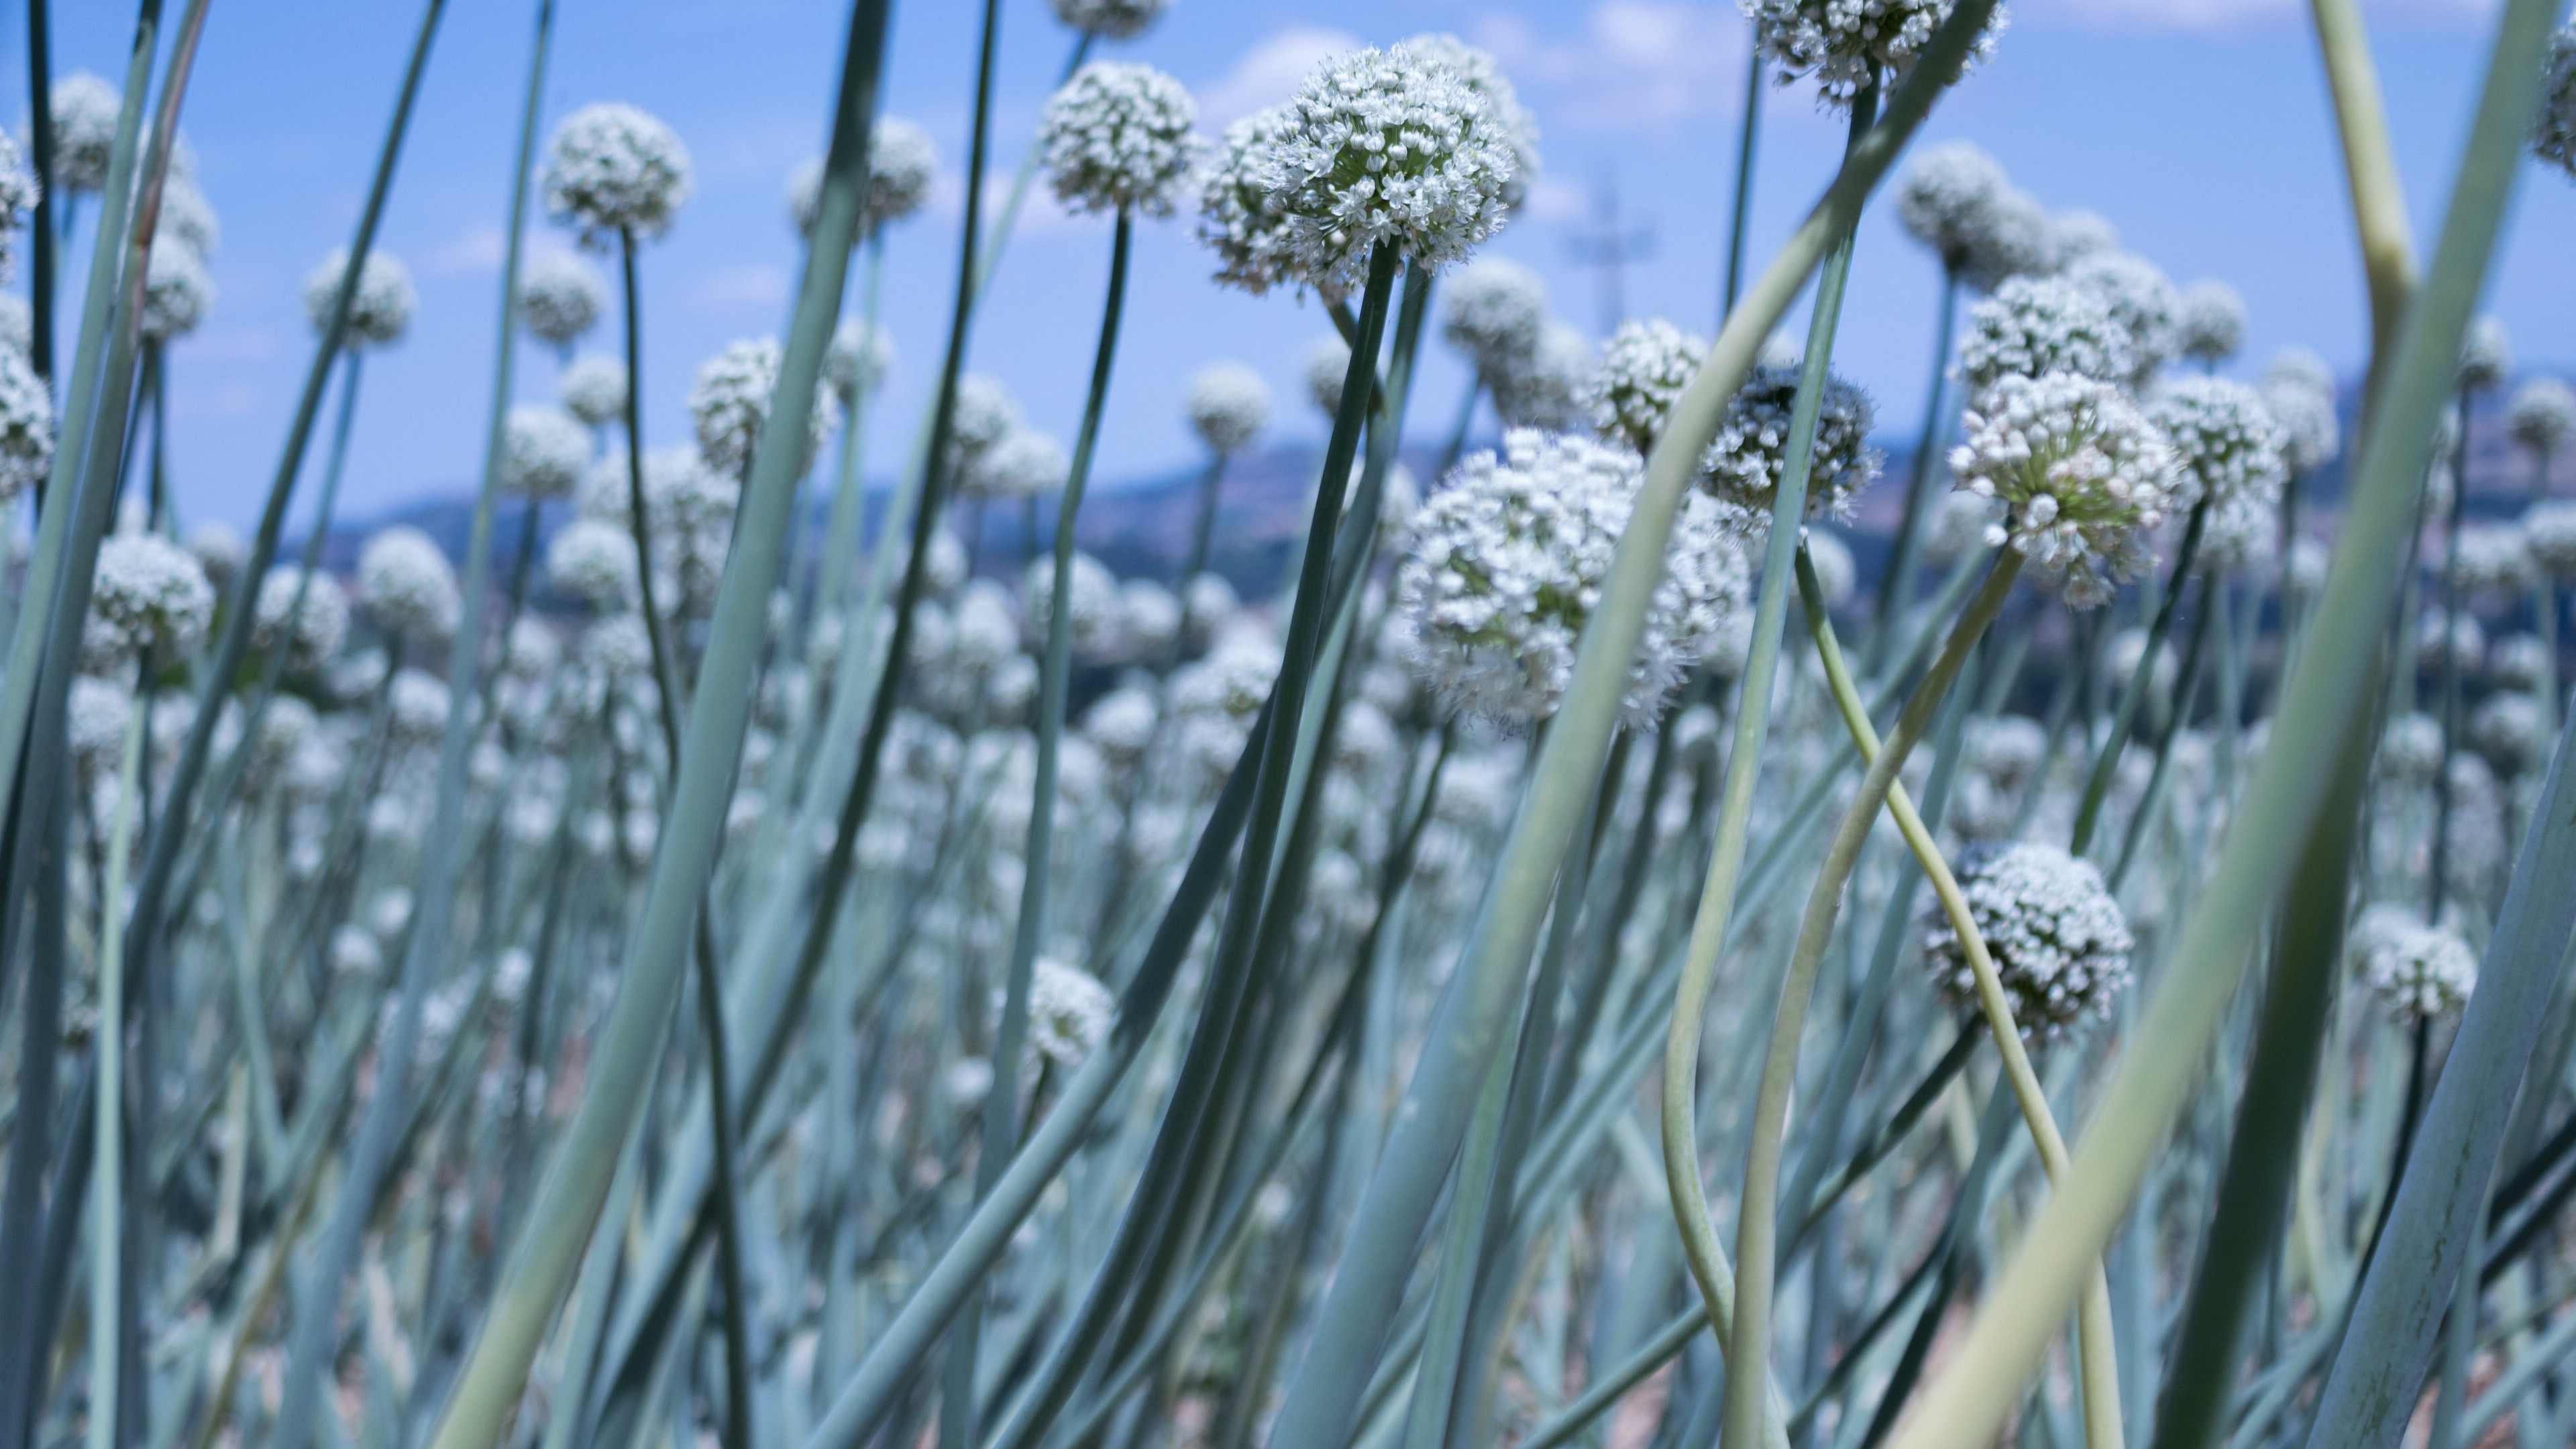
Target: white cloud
<point>474,251</point>
<point>754,286</point>
<point>2207,16</point>
<point>1552,198</point>
<point>1636,65</point>
<point>1270,72</point>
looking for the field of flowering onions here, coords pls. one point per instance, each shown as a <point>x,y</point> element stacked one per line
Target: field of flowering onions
<point>1665,930</point>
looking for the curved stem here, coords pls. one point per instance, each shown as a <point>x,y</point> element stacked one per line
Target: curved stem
<point>2099,1365</point>
<point>1757,1217</point>
<point>2097,786</point>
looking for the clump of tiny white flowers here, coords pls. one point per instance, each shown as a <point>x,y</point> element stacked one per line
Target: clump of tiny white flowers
<point>544,451</point>
<point>729,401</point>
<point>1070,1013</point>
<point>2304,410</point>
<point>1117,138</point>
<point>2210,326</point>
<point>1845,42</point>
<point>17,193</point>
<point>594,561</point>
<point>983,414</point>
<point>2553,134</point>
<point>2418,972</point>
<point>861,355</point>
<point>1744,465</point>
<point>1387,147</point>
<point>310,631</point>
<point>1327,363</point>
<point>2542,415</point>
<point>1506,561</point>
<point>84,114</point>
<point>902,164</point>
<point>405,580</point>
<point>2084,474</point>
<point>559,299</point>
<point>1110,19</point>
<point>380,308</point>
<point>2486,355</point>
<point>593,389</point>
<point>1493,311</point>
<point>1644,367</point>
<point>1546,389</point>
<point>2032,326</point>
<point>2059,941</point>
<point>146,593</point>
<point>612,169</point>
<point>2549,532</point>
<point>2140,300</point>
<point>2226,449</point>
<point>1484,75</point>
<point>2492,558</point>
<point>1091,603</point>
<point>26,426</point>
<point>1024,464</point>
<point>1955,200</point>
<point>1228,405</point>
<point>177,293</point>
<point>1238,218</point>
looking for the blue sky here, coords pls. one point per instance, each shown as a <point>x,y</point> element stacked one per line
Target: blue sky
<point>2199,127</point>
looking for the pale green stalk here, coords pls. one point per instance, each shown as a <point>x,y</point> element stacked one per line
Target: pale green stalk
<point>629,1042</point>
<point>1476,1005</point>
<point>2291,788</point>
<point>1757,1216</point>
<point>107,1233</point>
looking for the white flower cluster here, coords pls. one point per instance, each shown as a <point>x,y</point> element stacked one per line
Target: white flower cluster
<point>1070,1013</point>
<point>2492,558</point>
<point>2553,133</point>
<point>1024,464</point>
<point>2059,941</point>
<point>1955,200</point>
<point>2542,415</point>
<point>1091,610</point>
<point>2140,300</point>
<point>84,110</point>
<point>145,593</point>
<point>2083,473</point>
<point>1507,559</point>
<point>405,580</point>
<point>2486,355</point>
<point>902,163</point>
<point>2549,531</point>
<point>1238,219</point>
<point>17,194</point>
<point>543,452</point>
<point>96,717</point>
<point>612,169</point>
<point>26,426</point>
<point>1110,19</point>
<point>1546,391</point>
<point>2300,391</point>
<point>1644,367</point>
<point>2226,449</point>
<point>2418,972</point>
<point>379,310</point>
<point>594,561</point>
<point>2032,326</point>
<point>984,413</point>
<point>313,630</point>
<point>1385,147</point>
<point>2210,325</point>
<point>1117,138</point>
<point>593,389</point>
<point>1844,42</point>
<point>861,355</point>
<point>1744,465</point>
<point>559,299</point>
<point>1493,311</point>
<point>1228,405</point>
<point>729,402</point>
<point>177,293</point>
<point>1327,364</point>
<point>1484,75</point>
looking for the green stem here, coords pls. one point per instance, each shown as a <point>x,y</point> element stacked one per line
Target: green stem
<point>1757,1220</point>
<point>2106,761</point>
<point>1896,583</point>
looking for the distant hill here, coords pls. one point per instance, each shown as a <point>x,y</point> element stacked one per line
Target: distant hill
<point>1141,528</point>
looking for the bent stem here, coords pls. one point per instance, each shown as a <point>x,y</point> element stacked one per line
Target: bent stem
<point>1757,1217</point>
<point>2099,1364</point>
